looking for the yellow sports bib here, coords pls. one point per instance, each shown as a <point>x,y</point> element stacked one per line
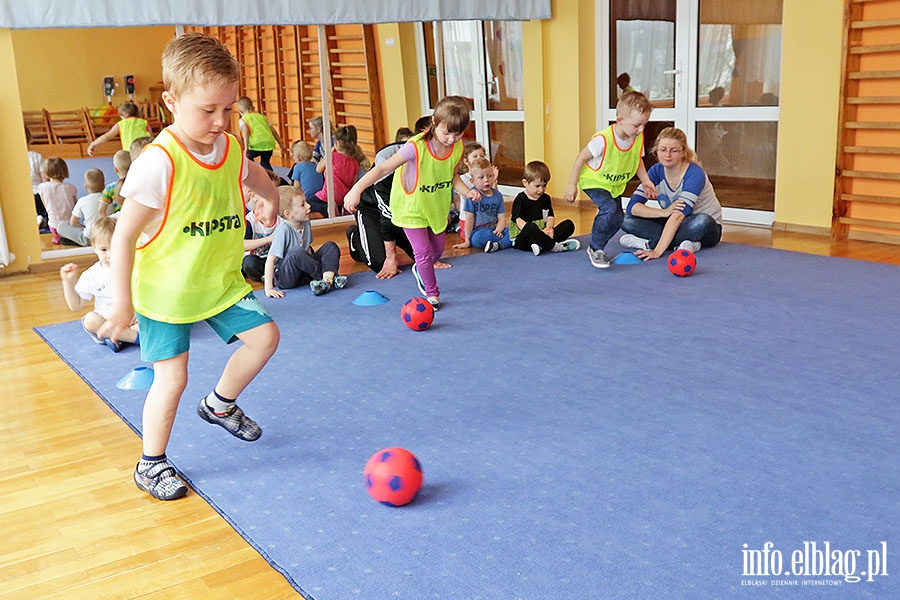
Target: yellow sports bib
<point>130,129</point>
<point>617,165</point>
<point>260,137</point>
<point>427,204</point>
<point>191,269</point>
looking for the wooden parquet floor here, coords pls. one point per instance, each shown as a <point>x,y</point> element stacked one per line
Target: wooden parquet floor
<point>74,525</point>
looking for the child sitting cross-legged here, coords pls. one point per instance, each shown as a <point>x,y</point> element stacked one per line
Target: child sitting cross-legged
<point>257,238</point>
<point>291,261</point>
<point>84,215</point>
<point>96,284</point>
<point>532,225</point>
<point>485,219</point>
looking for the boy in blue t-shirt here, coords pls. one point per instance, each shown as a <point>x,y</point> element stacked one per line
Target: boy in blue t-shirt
<point>291,261</point>
<point>485,219</point>
<point>303,174</point>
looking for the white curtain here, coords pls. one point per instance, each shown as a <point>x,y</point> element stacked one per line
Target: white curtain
<point>36,14</point>
<point>644,50</point>
<point>459,51</point>
<point>762,56</point>
<point>716,58</point>
<point>503,40</point>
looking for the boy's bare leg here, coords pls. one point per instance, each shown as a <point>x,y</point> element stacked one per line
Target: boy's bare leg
<point>389,268</point>
<point>169,381</point>
<point>93,321</point>
<point>259,344</point>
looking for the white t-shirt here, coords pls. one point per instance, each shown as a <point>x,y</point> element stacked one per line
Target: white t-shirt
<point>148,177</point>
<point>34,164</point>
<point>59,200</point>
<point>86,210</point>
<point>96,283</point>
<point>597,145</point>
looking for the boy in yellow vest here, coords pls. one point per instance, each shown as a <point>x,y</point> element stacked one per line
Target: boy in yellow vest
<point>129,128</point>
<point>179,241</point>
<point>257,134</point>
<point>603,168</point>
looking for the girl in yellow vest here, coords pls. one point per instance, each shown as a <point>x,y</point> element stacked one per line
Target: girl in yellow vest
<point>257,133</point>
<point>603,168</point>
<point>129,128</point>
<point>420,197</point>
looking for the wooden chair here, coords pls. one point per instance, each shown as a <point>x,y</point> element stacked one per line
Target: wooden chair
<point>38,124</point>
<point>154,114</point>
<point>99,124</point>
<point>70,127</point>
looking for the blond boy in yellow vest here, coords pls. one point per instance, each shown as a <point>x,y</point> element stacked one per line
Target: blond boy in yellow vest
<point>179,241</point>
<point>603,168</point>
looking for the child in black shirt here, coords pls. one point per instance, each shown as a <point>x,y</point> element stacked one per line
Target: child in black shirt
<point>532,225</point>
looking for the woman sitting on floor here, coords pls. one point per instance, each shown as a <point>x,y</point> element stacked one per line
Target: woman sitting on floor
<point>689,214</point>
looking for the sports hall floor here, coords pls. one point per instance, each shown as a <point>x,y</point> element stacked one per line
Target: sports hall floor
<point>74,524</point>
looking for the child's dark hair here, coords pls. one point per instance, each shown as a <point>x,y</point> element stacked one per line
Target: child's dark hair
<point>245,104</point>
<point>469,147</point>
<point>346,136</point>
<point>422,123</point>
<point>453,112</point>
<point>403,134</point>
<point>55,168</point>
<point>129,109</point>
<point>536,170</point>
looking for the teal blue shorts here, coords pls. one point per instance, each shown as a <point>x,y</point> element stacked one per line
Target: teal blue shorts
<point>162,341</point>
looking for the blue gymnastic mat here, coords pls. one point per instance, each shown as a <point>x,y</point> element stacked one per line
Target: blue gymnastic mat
<point>584,433</point>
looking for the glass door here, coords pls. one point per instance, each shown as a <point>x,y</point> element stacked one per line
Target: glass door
<point>482,62</point>
<point>711,68</point>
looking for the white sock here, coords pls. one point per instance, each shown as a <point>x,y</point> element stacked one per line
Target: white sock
<point>217,404</point>
<point>557,247</point>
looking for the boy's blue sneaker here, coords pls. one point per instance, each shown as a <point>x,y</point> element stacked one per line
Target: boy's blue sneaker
<point>340,282</point>
<point>234,421</point>
<point>319,287</point>
<point>598,258</point>
<point>159,480</point>
<point>570,245</point>
<point>419,283</point>
<point>114,346</point>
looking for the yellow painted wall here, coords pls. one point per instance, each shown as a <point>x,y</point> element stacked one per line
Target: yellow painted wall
<point>398,66</point>
<point>62,69</point>
<point>560,97</point>
<point>533,77</point>
<point>569,94</point>
<point>810,99</point>
<point>16,199</point>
